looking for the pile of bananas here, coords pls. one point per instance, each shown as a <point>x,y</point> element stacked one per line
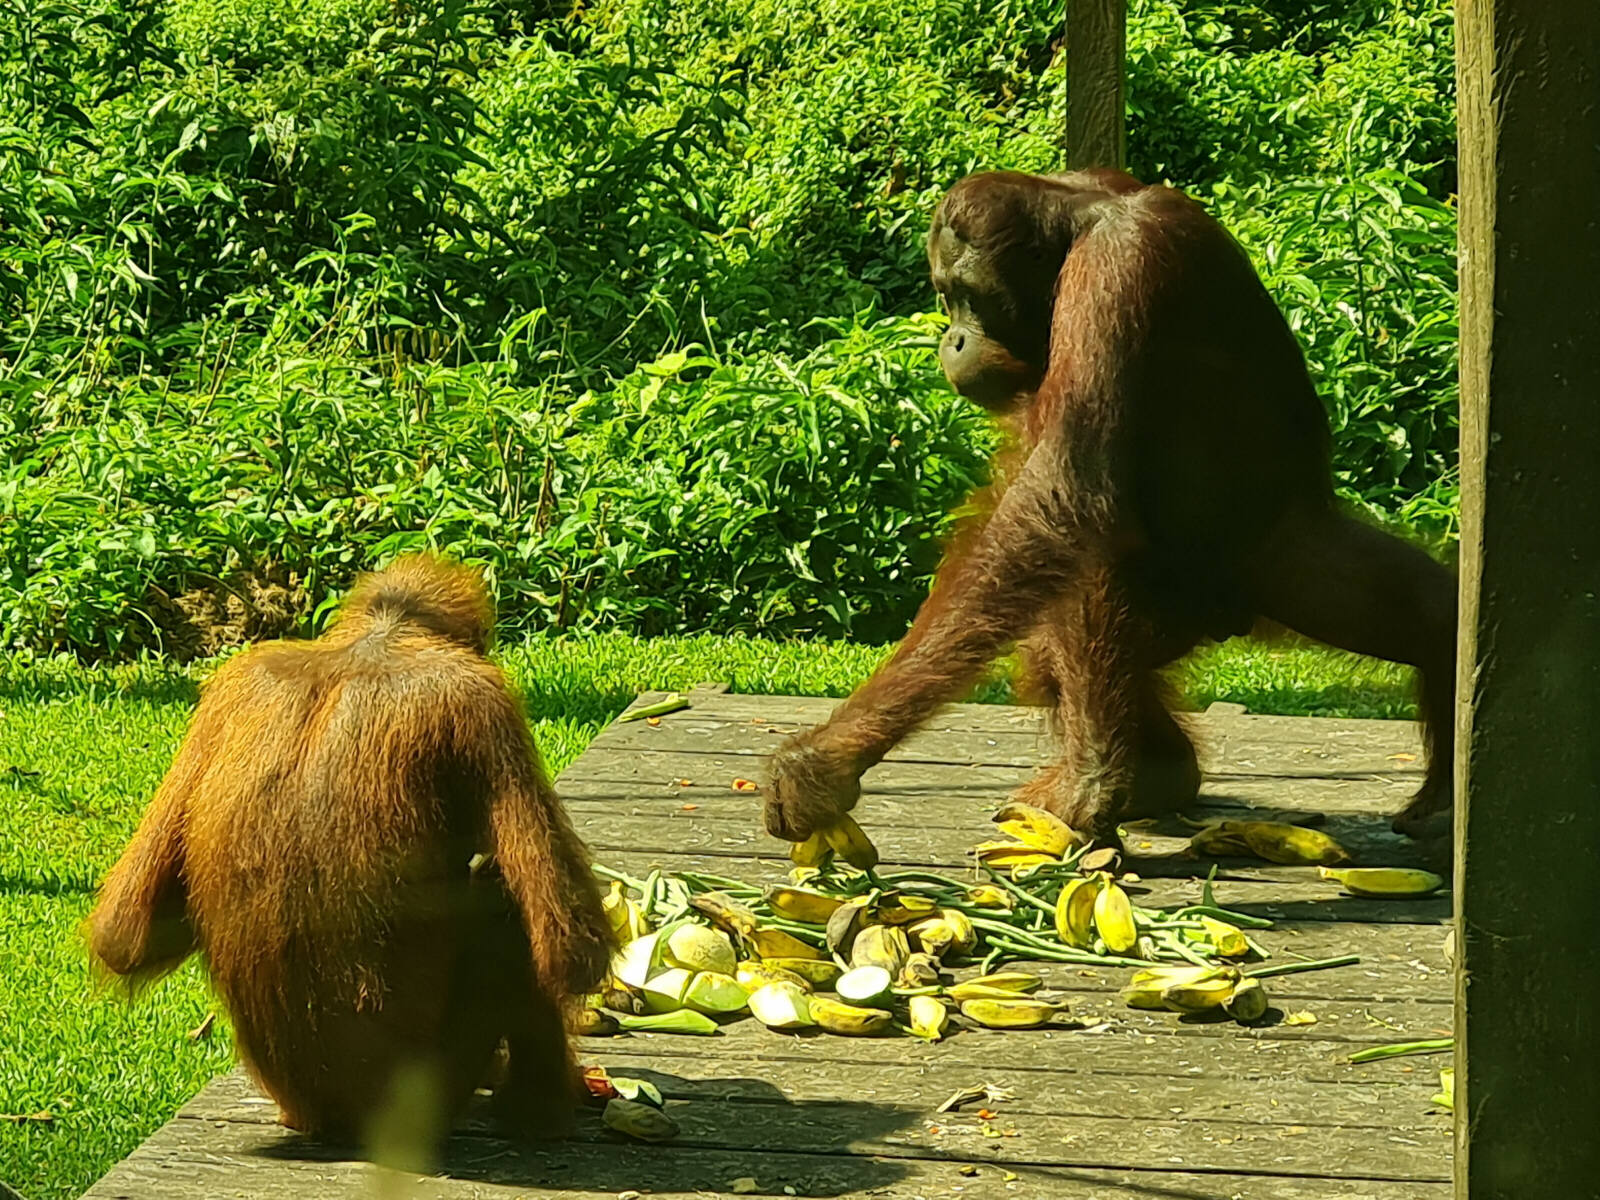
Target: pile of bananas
<point>853,951</point>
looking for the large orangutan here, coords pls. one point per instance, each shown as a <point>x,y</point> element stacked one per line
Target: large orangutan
<point>358,836</point>
<point>1171,483</point>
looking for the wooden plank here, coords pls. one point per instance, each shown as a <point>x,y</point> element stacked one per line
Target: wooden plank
<point>193,1159</point>
<point>1216,721</point>
<point>1239,745</point>
<point>946,793</point>
<point>893,1127</point>
<point>1527,771</point>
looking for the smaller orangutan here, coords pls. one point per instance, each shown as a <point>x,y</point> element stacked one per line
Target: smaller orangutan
<point>358,836</point>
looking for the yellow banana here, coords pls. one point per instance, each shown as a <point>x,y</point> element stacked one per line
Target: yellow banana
<point>775,943</point>
<point>813,852</point>
<point>883,946</point>
<point>1216,841</point>
<point>817,972</point>
<point>991,896</point>
<point>725,912</point>
<point>1202,995</point>
<point>1145,988</point>
<point>1075,912</point>
<point>1014,1013</point>
<point>1225,940</point>
<point>1012,855</point>
<point>837,1017</point>
<point>921,970</point>
<point>1293,845</point>
<point>898,908</point>
<point>966,936</point>
<point>759,974</point>
<point>802,904</point>
<point>1037,828</point>
<point>1014,982</point>
<point>1383,881</point>
<point>845,838</point>
<point>935,936</point>
<point>1113,918</point>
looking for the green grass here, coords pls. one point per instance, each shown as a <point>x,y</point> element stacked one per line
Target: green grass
<point>82,748</point>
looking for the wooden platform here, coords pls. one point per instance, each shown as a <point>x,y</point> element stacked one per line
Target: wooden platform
<point>1125,1106</point>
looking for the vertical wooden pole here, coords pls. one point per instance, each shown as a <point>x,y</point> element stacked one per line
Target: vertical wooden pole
<point>1096,40</point>
<point>1528,749</point>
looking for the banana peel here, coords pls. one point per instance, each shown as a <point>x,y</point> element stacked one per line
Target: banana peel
<point>1012,856</point>
<point>1038,828</point>
<point>929,1017</point>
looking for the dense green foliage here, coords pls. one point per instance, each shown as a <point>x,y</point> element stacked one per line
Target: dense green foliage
<point>85,747</point>
<point>285,286</point>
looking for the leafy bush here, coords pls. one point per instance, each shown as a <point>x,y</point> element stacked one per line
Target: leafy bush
<point>790,497</point>
<point>286,285</point>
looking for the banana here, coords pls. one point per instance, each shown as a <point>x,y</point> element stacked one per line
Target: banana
<point>592,1022</point>
<point>845,838</point>
<point>623,915</point>
<point>1075,912</point>
<point>883,946</point>
<point>1113,918</point>
<point>898,908</point>
<point>1012,855</point>
<point>1223,939</point>
<point>1037,828</point>
<point>934,936</point>
<point>1145,988</point>
<point>1015,983</point>
<point>966,936</point>
<point>921,970</point>
<point>1383,881</point>
<point>700,949</point>
<point>813,852</point>
<point>802,904</point>
<point>775,943</point>
<point>847,921</point>
<point>991,896</point>
<point>1202,995</point>
<point>1247,1002</point>
<point>638,1120</point>
<point>685,1020</point>
<point>781,1006</point>
<point>837,1017</point>
<point>1292,845</point>
<point>817,972</point>
<point>929,1017</point>
<point>759,974</point>
<point>726,912</point>
<point>1014,1013</point>
<point>1215,841</point>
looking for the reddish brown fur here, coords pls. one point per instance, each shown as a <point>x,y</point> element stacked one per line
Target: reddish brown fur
<point>1173,485</point>
<point>312,840</point>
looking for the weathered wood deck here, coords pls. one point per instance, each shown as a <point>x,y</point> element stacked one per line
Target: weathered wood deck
<point>1146,1107</point>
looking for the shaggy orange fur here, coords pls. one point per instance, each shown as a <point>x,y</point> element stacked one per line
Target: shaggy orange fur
<point>316,841</point>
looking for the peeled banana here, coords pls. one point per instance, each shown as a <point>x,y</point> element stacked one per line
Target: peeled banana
<point>1037,828</point>
<point>1113,919</point>
<point>929,1017</point>
<point>837,1017</point>
<point>781,1006</point>
<point>1383,881</point>
<point>1015,1013</point>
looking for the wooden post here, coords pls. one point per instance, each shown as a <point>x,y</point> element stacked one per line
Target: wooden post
<point>1528,750</point>
<point>1096,36</point>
